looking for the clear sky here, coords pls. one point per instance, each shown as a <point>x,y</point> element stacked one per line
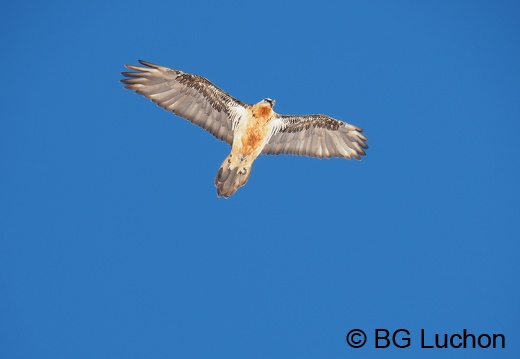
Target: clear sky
<point>113,243</point>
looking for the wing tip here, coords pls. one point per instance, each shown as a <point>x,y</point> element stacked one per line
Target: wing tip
<point>149,64</point>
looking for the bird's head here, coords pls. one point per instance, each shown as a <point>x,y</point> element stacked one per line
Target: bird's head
<point>269,101</point>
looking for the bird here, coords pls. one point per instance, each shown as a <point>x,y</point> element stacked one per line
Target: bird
<point>250,129</point>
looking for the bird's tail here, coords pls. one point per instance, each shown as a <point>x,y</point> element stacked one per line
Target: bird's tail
<point>231,177</point>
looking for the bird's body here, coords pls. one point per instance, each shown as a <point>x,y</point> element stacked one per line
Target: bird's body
<point>250,138</point>
<point>251,130</point>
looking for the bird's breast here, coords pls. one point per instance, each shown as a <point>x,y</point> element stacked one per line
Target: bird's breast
<point>251,137</point>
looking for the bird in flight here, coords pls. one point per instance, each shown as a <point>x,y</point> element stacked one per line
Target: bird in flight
<point>251,130</point>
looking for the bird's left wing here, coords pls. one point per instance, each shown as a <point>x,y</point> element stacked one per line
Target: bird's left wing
<point>192,97</point>
<point>315,136</point>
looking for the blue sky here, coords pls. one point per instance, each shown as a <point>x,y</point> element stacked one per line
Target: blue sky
<point>114,244</point>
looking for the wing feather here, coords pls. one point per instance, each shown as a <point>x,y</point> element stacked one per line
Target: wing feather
<point>191,97</point>
<point>315,136</point>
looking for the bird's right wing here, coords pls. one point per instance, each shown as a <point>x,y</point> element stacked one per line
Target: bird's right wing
<point>192,97</point>
<point>315,136</point>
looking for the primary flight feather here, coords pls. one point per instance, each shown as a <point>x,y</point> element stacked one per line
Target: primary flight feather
<point>251,130</point>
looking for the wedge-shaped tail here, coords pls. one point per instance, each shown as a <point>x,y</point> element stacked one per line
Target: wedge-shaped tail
<point>231,177</point>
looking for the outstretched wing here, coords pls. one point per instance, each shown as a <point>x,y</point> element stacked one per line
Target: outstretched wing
<point>192,97</point>
<point>315,136</point>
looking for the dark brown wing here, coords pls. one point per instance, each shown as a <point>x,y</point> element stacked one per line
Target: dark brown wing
<point>192,97</point>
<point>315,136</point>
